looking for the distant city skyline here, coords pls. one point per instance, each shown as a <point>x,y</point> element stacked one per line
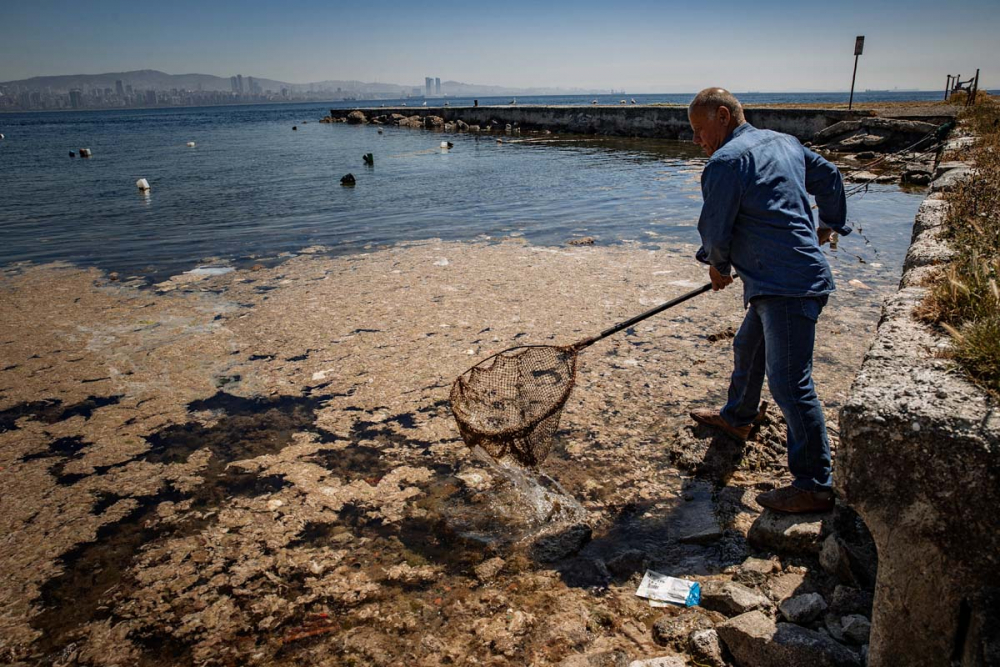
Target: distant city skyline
<point>641,47</point>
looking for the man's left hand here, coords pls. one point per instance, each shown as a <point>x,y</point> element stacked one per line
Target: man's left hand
<point>824,234</point>
<point>719,281</point>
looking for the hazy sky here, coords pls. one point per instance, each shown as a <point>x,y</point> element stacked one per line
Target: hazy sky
<point>637,46</point>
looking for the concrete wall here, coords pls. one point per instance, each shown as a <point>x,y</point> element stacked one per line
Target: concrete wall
<point>919,460</point>
<point>624,120</point>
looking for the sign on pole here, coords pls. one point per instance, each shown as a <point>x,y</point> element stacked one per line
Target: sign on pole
<point>859,46</point>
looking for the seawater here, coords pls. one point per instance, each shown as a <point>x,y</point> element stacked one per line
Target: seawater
<point>252,188</point>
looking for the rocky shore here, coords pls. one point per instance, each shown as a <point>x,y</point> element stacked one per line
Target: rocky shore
<point>259,467</point>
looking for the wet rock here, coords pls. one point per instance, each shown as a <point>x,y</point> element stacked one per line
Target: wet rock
<point>626,563</point>
<point>706,648</point>
<point>918,173</point>
<point>356,118</point>
<point>731,598</point>
<point>850,600</point>
<point>755,571</point>
<point>461,125</point>
<point>951,179</point>
<point>348,180</point>
<point>755,640</point>
<point>695,521</point>
<point>786,585</point>
<point>677,623</point>
<point>561,544</point>
<point>662,661</point>
<point>597,659</point>
<point>864,135</point>
<point>803,609</point>
<point>434,121</point>
<point>835,558</point>
<point>788,533</point>
<point>870,177</point>
<point>856,628</point>
<point>585,240</point>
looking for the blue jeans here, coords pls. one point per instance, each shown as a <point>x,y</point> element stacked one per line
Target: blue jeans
<point>776,339</point>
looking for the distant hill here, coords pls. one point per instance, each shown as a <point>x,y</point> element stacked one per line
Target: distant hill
<point>151,79</point>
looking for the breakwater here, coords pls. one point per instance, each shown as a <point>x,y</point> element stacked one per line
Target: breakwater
<point>663,122</point>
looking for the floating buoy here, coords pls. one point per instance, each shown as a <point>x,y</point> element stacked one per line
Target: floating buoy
<point>190,144</point>
<point>369,159</point>
<point>445,144</point>
<point>348,180</point>
<point>380,131</point>
<point>72,154</point>
<point>295,127</point>
<point>85,152</point>
<point>142,184</point>
<point>2,137</point>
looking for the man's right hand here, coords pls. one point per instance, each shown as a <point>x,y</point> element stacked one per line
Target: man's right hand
<point>719,281</point>
<point>824,234</point>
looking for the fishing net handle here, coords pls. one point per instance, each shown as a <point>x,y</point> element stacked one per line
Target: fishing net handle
<point>587,342</point>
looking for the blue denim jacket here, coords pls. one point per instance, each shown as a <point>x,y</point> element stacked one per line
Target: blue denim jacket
<point>758,218</point>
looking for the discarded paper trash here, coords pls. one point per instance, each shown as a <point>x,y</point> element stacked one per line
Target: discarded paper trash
<point>659,588</point>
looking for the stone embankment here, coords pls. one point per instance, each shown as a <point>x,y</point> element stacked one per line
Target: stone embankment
<point>630,121</point>
<point>920,462</point>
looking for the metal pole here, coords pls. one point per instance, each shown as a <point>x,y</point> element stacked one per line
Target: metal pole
<point>947,86</point>
<point>850,103</point>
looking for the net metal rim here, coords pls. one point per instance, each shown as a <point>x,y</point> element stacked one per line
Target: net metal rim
<point>485,366</point>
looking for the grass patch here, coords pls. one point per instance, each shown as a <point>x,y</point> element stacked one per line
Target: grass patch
<point>966,300</point>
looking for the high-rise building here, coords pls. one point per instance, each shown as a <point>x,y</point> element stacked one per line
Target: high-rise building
<point>76,99</point>
<point>427,86</point>
<point>239,83</point>
<point>232,84</point>
<point>250,86</point>
<point>119,88</point>
<point>128,88</point>
<point>151,97</point>
<point>437,86</point>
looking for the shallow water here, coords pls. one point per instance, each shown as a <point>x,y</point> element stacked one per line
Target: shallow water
<point>254,188</point>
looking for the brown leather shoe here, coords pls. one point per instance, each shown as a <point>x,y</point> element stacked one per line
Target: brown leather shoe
<point>793,500</point>
<point>714,419</point>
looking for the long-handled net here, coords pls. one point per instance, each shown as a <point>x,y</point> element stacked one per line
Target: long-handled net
<point>510,403</point>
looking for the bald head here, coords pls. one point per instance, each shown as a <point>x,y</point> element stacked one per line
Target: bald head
<point>711,99</point>
<point>714,113</point>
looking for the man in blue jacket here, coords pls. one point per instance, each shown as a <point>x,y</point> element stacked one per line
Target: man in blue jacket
<point>757,219</point>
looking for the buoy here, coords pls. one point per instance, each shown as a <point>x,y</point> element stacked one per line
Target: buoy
<point>348,180</point>
<point>85,152</point>
<point>369,159</point>
<point>445,144</point>
<point>142,184</point>
<point>2,137</point>
<point>72,154</point>
<point>380,131</point>
<point>295,127</point>
<point>190,144</point>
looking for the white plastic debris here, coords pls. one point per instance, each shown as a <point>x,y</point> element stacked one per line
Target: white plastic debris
<point>444,144</point>
<point>441,262</point>
<point>190,144</point>
<point>857,284</point>
<point>659,588</point>
<point>2,137</point>
<point>142,183</point>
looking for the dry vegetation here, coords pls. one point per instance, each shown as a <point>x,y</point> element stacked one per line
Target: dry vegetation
<point>966,301</point>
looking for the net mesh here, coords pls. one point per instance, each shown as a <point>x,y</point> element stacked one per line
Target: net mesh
<point>509,404</point>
